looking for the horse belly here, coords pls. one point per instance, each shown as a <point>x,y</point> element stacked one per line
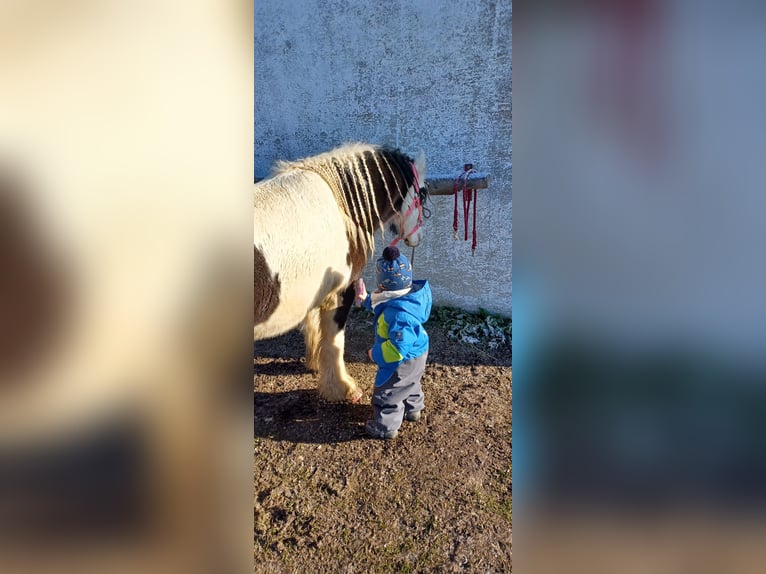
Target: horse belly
<point>276,326</point>
<point>298,294</point>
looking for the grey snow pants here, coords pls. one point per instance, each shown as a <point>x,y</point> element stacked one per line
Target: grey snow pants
<point>400,394</point>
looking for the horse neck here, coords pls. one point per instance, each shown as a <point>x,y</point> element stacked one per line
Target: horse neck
<point>369,188</point>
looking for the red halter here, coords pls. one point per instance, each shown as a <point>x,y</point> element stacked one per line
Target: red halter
<point>414,205</point>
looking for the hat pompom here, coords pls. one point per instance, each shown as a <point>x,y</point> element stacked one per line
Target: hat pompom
<point>390,253</point>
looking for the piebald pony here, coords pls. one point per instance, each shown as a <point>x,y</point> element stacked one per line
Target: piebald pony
<point>315,221</point>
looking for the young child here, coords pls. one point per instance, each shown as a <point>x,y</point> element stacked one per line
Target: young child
<point>401,306</point>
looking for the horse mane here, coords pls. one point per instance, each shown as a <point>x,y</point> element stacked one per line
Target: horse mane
<point>354,172</point>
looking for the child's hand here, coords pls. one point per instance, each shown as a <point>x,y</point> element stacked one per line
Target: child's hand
<point>369,354</point>
<point>361,292</point>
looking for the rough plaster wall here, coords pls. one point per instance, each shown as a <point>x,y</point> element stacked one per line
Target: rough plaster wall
<point>430,74</point>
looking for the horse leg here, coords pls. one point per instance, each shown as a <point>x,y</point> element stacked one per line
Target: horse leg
<point>312,337</point>
<point>335,384</point>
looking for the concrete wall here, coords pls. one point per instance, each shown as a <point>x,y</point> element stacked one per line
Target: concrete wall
<point>430,74</point>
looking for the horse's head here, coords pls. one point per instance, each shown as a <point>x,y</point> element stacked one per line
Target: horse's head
<point>409,221</point>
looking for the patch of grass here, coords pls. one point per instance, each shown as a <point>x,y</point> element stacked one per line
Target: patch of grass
<point>502,507</point>
<point>480,328</point>
<point>431,558</point>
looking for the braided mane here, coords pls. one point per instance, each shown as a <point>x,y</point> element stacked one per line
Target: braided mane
<point>369,184</point>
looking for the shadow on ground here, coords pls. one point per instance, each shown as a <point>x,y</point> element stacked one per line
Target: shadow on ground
<point>359,338</point>
<point>287,346</point>
<point>280,368</point>
<point>301,416</point>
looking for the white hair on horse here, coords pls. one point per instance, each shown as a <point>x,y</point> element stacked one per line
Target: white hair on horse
<point>315,225</point>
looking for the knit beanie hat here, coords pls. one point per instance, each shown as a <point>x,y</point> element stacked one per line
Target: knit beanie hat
<point>394,270</point>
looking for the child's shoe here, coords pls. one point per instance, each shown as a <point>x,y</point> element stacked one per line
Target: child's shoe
<point>375,431</point>
<point>412,417</point>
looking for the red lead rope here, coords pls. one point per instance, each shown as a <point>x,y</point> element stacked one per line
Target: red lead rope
<point>468,196</point>
<point>466,209</point>
<point>475,198</point>
<point>454,219</point>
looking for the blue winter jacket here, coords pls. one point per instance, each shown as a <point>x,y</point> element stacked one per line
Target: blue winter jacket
<point>399,332</point>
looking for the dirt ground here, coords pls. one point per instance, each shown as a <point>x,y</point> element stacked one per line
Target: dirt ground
<point>438,498</point>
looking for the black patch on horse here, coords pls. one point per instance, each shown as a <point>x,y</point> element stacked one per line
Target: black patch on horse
<point>266,288</point>
<point>402,162</point>
<point>341,313</point>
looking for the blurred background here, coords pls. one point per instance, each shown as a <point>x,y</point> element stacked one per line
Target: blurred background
<point>638,315</point>
<point>125,224</point>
